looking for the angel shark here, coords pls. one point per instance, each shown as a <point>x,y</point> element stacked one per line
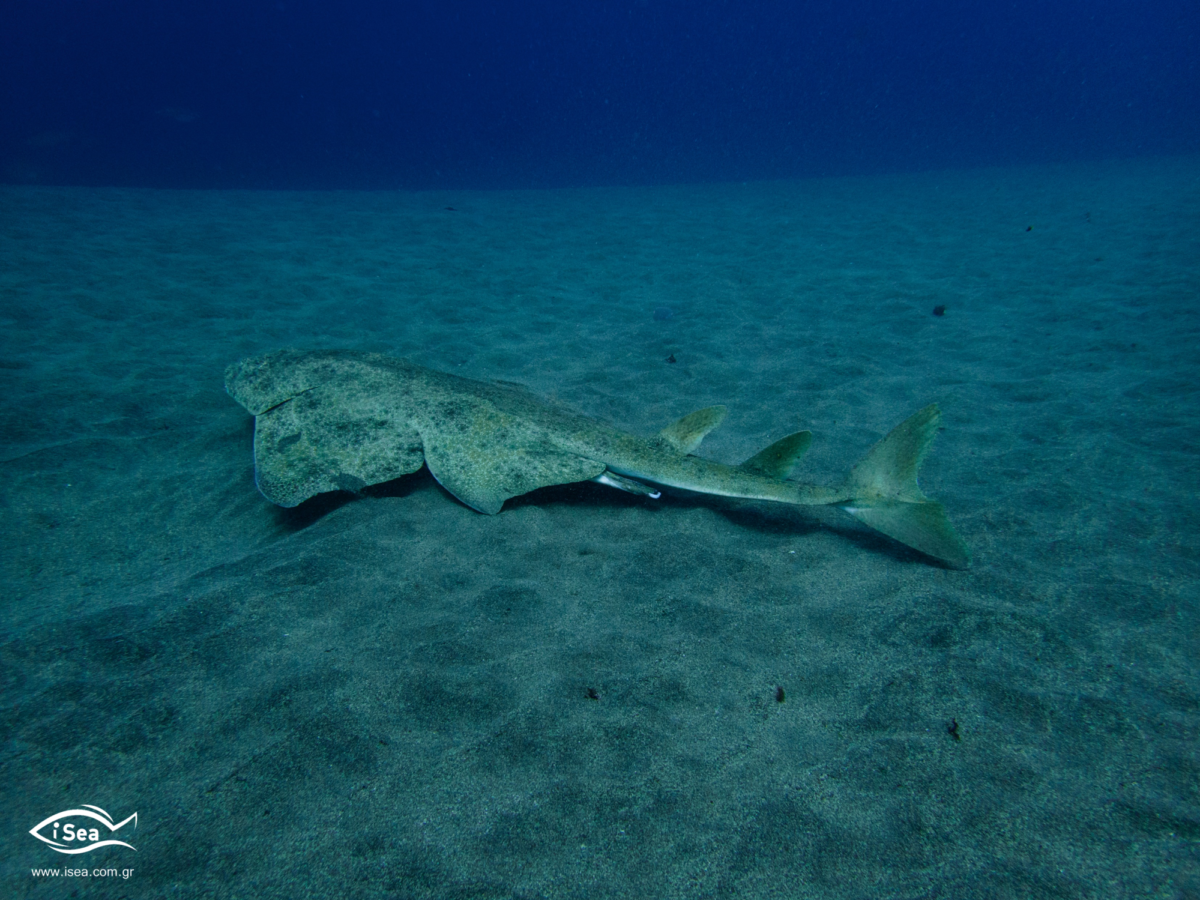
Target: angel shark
<point>341,420</point>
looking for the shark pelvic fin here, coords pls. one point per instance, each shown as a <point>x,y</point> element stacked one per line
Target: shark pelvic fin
<point>483,476</point>
<point>686,434</point>
<point>885,495</point>
<point>621,483</point>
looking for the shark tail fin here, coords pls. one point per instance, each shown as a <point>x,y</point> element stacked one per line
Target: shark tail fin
<point>885,495</point>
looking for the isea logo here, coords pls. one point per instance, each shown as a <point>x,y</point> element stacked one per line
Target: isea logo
<point>74,830</point>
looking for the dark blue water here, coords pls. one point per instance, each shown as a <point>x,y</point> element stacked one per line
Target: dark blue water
<point>289,93</point>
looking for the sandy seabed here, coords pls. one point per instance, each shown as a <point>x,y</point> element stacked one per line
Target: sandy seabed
<point>594,694</point>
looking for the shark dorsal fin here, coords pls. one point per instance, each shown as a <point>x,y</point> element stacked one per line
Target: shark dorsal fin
<point>686,434</point>
<point>778,460</point>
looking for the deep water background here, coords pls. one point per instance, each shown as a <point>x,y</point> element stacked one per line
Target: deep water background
<point>536,93</point>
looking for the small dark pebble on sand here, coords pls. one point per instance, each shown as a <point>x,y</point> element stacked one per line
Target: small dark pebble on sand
<point>780,696</point>
<point>672,358</point>
<point>593,694</point>
<point>939,310</point>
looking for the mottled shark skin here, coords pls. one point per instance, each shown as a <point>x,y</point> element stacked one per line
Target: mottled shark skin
<point>341,420</point>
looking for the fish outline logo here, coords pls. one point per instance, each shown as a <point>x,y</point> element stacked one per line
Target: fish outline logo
<point>92,835</point>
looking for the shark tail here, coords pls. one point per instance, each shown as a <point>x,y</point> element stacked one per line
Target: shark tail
<point>884,493</point>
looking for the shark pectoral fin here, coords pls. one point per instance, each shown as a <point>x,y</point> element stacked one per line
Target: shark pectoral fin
<point>483,474</point>
<point>621,483</point>
<point>322,441</point>
<point>778,460</point>
<point>686,434</point>
<point>261,382</point>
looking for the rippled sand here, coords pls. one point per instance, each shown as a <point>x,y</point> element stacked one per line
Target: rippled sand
<point>395,696</point>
